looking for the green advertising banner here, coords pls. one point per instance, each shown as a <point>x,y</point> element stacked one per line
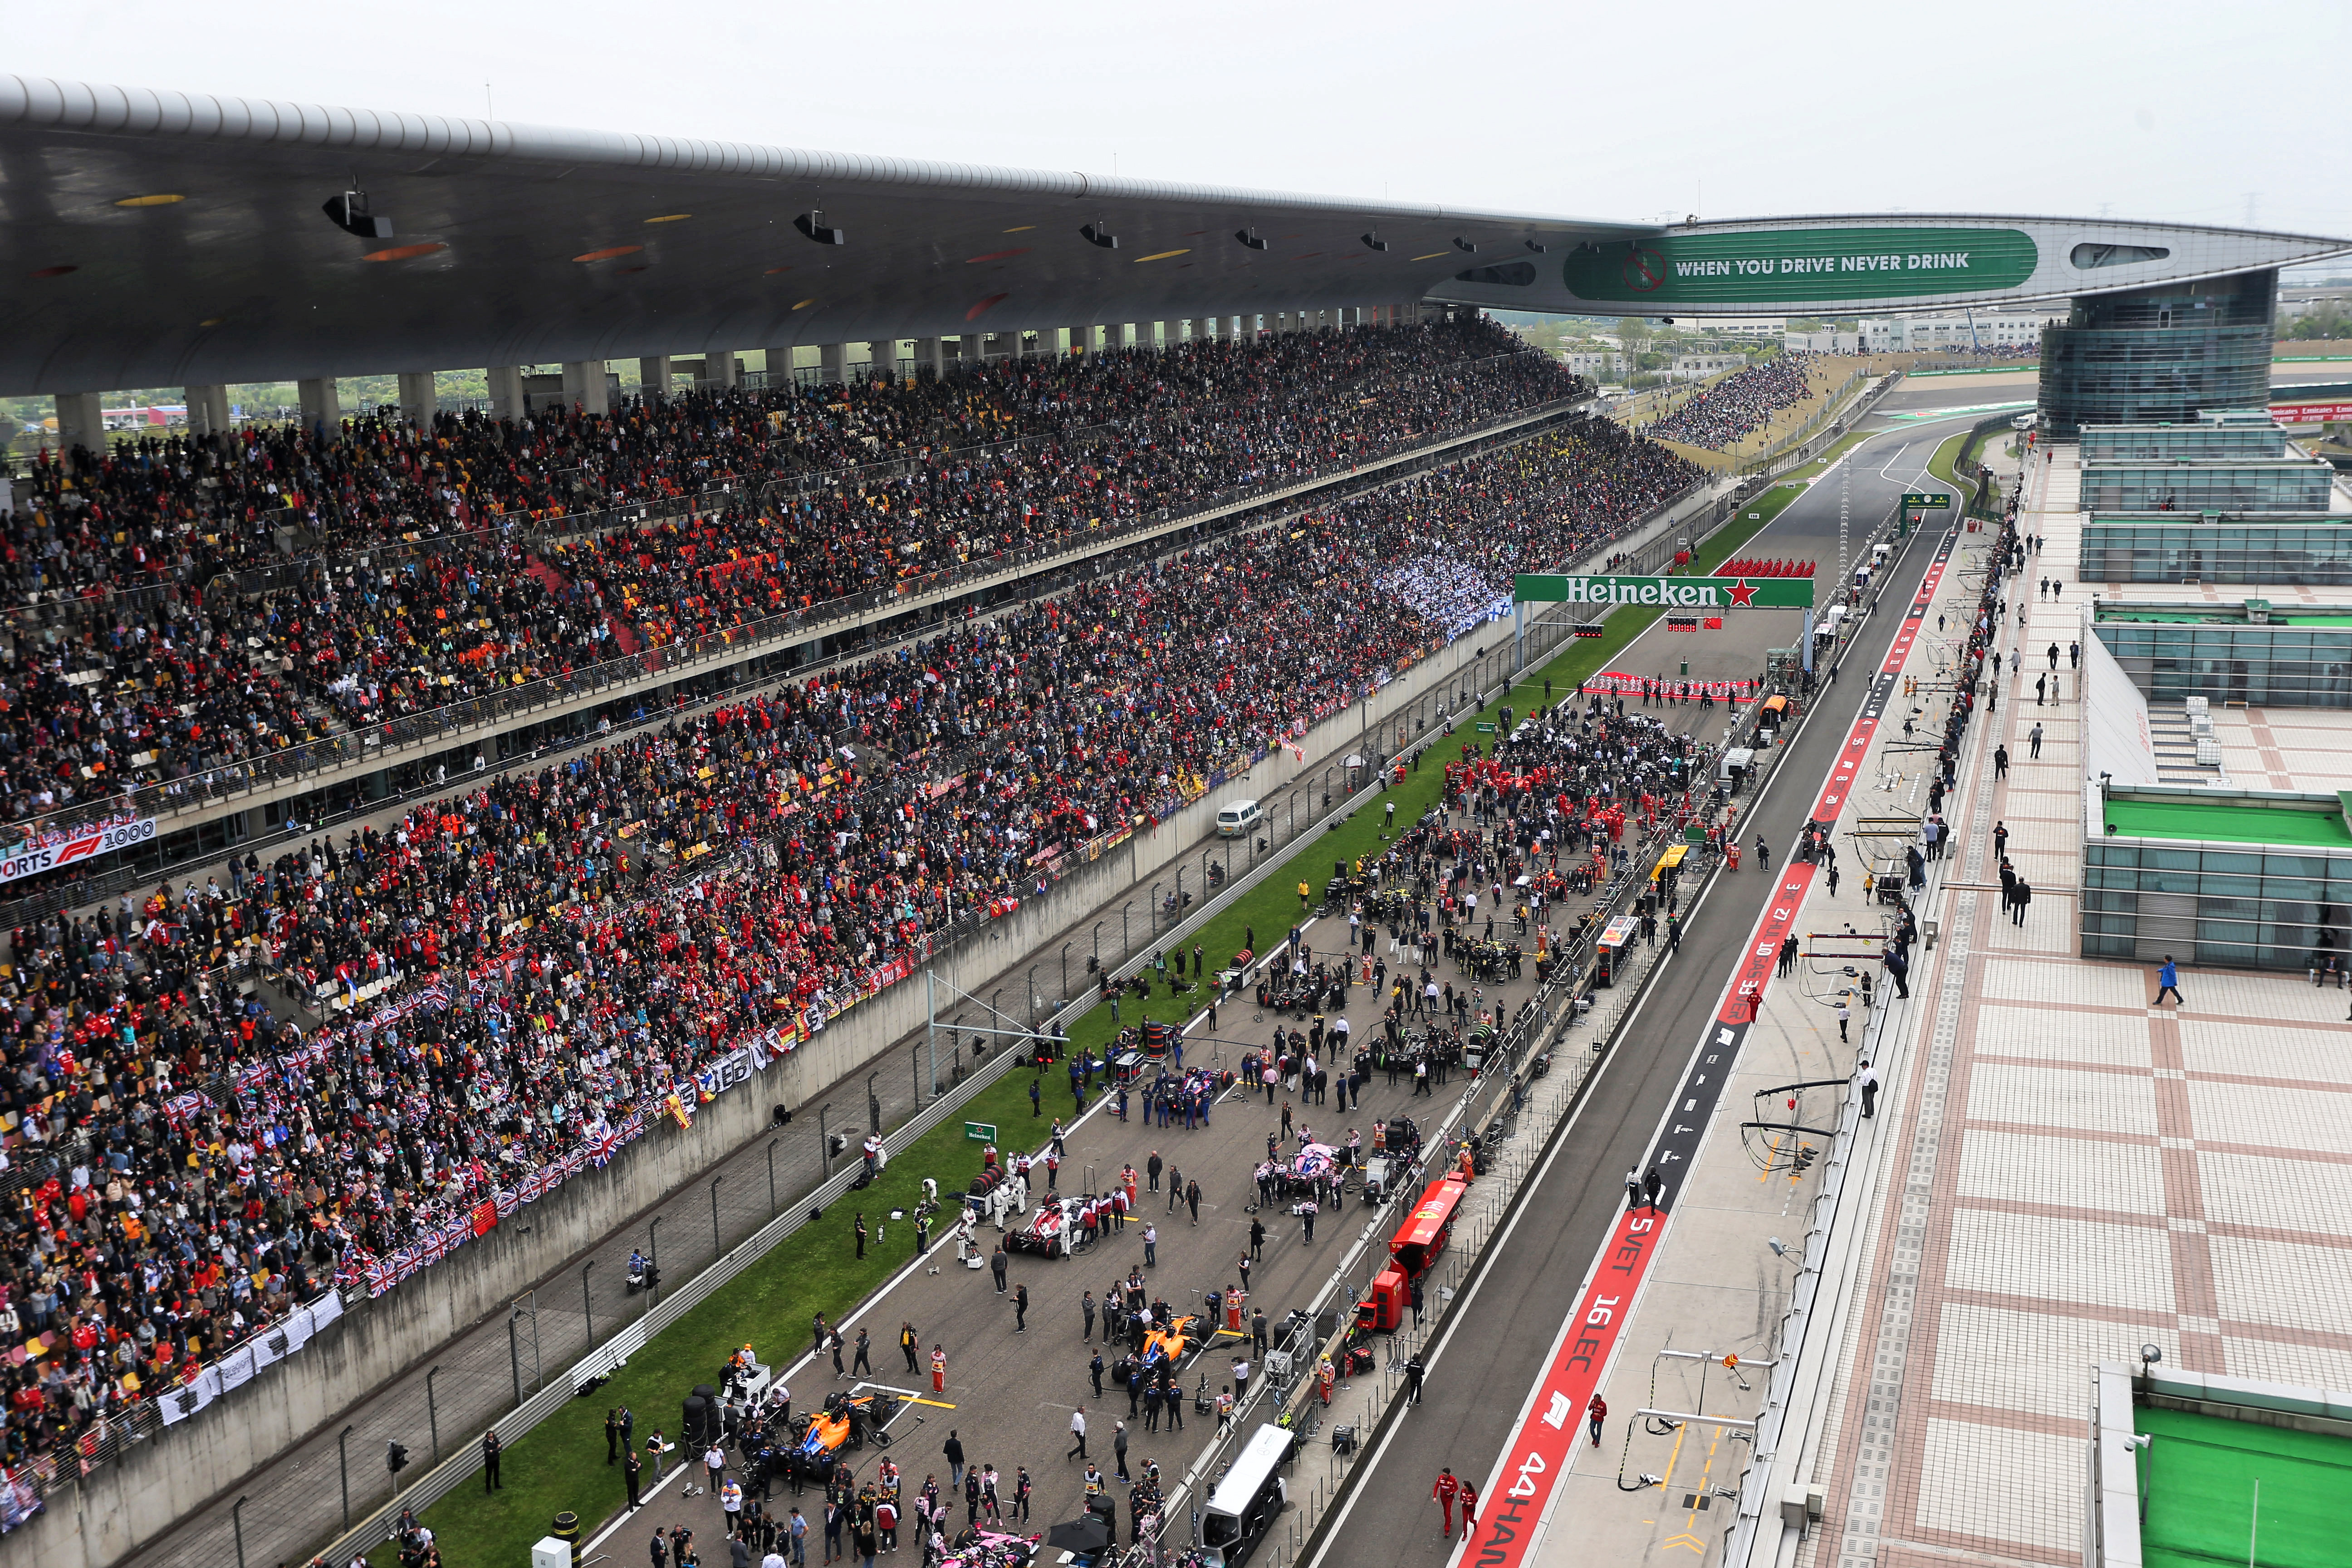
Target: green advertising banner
<point>1669,593</point>
<point>1917,499</point>
<point>1747,266</point>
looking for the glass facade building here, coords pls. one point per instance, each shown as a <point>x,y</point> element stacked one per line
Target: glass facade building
<point>2249,906</point>
<point>2297,662</point>
<point>2148,356</point>
<point>2202,442</point>
<point>2250,484</point>
<point>2168,547</point>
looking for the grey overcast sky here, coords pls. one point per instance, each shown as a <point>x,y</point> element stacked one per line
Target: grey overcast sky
<point>2164,110</point>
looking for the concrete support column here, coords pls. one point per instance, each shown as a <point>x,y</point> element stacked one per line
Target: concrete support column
<point>931,355</point>
<point>720,369</point>
<point>322,406</point>
<point>884,355</point>
<point>81,421</point>
<point>207,410</point>
<point>506,392</point>
<point>780,368</point>
<point>417,399</point>
<point>586,387</point>
<point>654,371</point>
<point>832,363</point>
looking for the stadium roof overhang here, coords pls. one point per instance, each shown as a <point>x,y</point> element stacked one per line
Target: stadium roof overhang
<point>162,238</point>
<point>520,245</point>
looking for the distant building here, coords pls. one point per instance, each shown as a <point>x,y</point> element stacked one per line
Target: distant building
<point>1822,343</point>
<point>2293,303</point>
<point>1599,365</point>
<point>1700,366</point>
<point>1987,330</point>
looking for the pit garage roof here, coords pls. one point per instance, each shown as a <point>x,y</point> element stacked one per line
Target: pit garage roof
<point>162,238</point>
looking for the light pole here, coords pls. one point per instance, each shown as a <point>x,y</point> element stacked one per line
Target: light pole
<point>1066,970</point>
<point>715,1248</point>
<point>587,1309</point>
<point>344,1460</point>
<point>1098,925</point>
<point>1155,911</point>
<point>653,1249</point>
<point>514,1361</point>
<point>236,1522</point>
<point>1124,948</point>
<point>1034,998</point>
<point>1176,918</point>
<point>433,1411</point>
<point>771,1178</point>
<point>872,1104</point>
<point>824,1138</point>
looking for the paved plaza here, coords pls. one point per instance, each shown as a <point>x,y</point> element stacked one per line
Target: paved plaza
<point>2094,1173</point>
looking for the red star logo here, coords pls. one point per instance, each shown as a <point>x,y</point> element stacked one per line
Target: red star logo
<point>1743,594</point>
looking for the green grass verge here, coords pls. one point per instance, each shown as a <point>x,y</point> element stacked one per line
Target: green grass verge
<point>1760,512</point>
<point>558,1465</point>
<point>1947,454</point>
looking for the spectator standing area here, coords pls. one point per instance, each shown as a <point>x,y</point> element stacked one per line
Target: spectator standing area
<point>1751,412</point>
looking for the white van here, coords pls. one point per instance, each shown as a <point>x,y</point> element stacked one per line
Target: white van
<point>1238,817</point>
<point>1249,1499</point>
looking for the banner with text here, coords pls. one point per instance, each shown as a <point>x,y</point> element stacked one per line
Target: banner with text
<point>1856,262</point>
<point>48,851</point>
<point>1667,593</point>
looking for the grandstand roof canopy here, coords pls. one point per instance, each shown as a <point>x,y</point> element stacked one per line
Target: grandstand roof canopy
<point>162,238</point>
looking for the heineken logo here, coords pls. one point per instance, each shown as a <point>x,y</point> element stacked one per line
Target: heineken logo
<point>1667,593</point>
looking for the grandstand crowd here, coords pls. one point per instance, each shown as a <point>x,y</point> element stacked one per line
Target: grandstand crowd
<point>987,462</point>
<point>562,950</point>
<point>1741,404</point>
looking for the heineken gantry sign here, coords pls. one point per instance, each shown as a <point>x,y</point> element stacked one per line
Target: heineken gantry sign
<point>1750,265</point>
<point>1668,593</point>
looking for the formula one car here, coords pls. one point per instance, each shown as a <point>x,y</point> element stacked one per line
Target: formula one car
<point>844,1424</point>
<point>1052,1232</point>
<point>1184,1336</point>
<point>977,1548</point>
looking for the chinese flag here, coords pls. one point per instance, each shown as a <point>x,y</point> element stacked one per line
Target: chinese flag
<point>486,1216</point>
<point>1714,623</point>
